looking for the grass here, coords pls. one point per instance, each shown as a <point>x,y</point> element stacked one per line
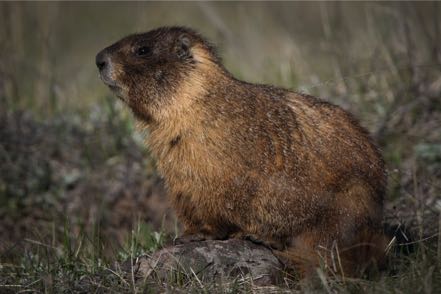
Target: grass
<point>77,265</point>
<point>79,195</point>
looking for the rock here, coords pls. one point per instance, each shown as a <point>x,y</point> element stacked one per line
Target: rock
<point>211,261</point>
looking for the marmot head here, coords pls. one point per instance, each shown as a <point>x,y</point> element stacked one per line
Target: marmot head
<point>148,71</point>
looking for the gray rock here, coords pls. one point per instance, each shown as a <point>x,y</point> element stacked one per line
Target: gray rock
<point>211,261</point>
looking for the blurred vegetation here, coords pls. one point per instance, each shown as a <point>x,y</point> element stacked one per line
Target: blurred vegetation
<point>78,190</point>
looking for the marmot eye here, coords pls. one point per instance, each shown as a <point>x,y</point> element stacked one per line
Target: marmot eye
<point>144,50</point>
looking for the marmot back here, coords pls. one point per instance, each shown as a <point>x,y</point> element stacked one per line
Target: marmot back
<point>242,160</point>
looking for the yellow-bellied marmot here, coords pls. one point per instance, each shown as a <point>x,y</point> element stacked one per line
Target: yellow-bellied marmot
<point>242,160</point>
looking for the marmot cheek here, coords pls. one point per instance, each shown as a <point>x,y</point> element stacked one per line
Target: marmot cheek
<point>159,75</point>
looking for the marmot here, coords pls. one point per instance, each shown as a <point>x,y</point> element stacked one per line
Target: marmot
<point>243,160</point>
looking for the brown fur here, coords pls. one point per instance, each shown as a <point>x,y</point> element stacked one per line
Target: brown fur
<point>252,161</point>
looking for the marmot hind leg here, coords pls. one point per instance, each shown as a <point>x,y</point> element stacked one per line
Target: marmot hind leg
<point>309,251</point>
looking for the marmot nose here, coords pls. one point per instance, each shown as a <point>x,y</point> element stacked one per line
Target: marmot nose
<point>101,60</point>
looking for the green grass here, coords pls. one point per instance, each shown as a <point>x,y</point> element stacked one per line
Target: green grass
<point>75,264</point>
<point>78,265</point>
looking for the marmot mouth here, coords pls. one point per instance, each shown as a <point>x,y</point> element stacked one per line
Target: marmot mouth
<point>114,87</point>
<point>117,90</point>
<point>107,80</point>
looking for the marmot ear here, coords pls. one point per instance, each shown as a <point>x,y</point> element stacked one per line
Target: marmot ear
<point>183,46</point>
